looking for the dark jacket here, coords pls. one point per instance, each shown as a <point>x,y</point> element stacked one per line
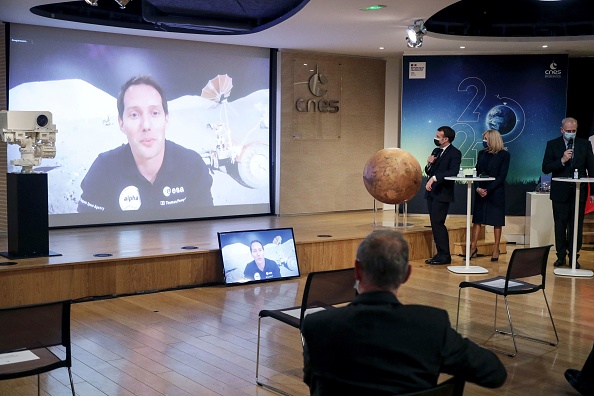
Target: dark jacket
<point>379,343</point>
<point>448,164</point>
<point>583,161</point>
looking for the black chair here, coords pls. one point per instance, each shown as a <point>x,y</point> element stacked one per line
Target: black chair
<point>323,289</point>
<point>452,387</point>
<point>34,329</point>
<point>524,263</point>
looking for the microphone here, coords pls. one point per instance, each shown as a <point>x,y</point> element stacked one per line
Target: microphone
<point>436,152</point>
<point>570,147</point>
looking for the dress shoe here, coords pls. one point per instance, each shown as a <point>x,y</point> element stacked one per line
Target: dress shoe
<point>493,258</point>
<point>573,377</point>
<point>439,261</point>
<point>577,256</point>
<point>429,261</point>
<point>474,254</point>
<point>559,263</point>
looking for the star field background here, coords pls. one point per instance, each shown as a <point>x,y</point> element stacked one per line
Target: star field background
<point>523,96</point>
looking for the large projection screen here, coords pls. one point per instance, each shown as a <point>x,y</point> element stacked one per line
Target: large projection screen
<point>218,112</point>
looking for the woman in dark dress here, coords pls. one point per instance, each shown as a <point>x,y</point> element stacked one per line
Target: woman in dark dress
<point>489,196</point>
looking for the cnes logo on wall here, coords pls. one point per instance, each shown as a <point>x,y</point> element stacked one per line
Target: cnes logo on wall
<point>317,84</point>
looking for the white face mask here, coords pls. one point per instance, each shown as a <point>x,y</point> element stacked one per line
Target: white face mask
<point>569,136</point>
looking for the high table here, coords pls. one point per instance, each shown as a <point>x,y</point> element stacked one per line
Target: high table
<point>574,271</point>
<point>468,269</point>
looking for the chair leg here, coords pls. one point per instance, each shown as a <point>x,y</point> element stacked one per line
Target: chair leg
<point>552,322</point>
<point>511,327</point>
<point>38,385</point>
<point>458,311</point>
<point>71,382</point>
<point>514,335</point>
<point>258,382</point>
<point>258,352</point>
<point>495,315</point>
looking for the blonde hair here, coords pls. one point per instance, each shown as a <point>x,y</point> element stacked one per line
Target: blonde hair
<point>494,141</point>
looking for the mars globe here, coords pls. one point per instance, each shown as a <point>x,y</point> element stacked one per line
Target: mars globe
<point>392,176</point>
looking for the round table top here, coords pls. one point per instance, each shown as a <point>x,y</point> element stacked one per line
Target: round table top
<point>469,178</point>
<point>571,180</point>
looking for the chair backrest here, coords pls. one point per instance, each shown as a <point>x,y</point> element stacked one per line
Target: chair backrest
<point>527,262</point>
<point>36,326</point>
<point>325,288</point>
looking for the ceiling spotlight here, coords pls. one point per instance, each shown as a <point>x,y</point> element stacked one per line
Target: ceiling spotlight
<point>121,3</point>
<point>92,2</point>
<point>415,33</point>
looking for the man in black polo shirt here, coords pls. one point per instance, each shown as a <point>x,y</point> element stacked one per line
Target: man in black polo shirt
<point>149,172</point>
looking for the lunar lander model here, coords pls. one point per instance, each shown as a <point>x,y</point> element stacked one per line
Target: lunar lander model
<point>27,207</point>
<point>250,157</point>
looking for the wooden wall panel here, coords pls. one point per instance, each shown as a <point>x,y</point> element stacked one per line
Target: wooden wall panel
<point>325,175</point>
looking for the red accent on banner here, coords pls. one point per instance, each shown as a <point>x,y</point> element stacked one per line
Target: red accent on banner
<point>589,206</point>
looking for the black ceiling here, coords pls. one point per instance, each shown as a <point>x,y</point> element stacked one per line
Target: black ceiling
<point>515,18</point>
<point>181,16</point>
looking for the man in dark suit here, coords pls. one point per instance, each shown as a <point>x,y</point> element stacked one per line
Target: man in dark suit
<point>376,345</point>
<point>563,155</point>
<point>444,161</point>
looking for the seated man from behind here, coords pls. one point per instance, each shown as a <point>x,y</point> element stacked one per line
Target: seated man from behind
<point>377,345</point>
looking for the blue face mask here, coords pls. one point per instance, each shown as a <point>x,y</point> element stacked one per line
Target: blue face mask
<point>569,136</point>
<point>485,145</point>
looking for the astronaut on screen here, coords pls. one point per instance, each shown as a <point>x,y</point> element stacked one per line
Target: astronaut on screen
<point>149,172</point>
<point>261,267</point>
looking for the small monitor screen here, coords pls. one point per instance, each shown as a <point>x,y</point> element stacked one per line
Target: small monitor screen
<point>258,255</point>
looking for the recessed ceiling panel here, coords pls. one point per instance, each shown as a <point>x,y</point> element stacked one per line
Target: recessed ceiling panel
<point>514,18</point>
<point>182,16</point>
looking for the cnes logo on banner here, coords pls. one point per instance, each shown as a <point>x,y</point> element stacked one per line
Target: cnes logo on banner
<point>553,71</point>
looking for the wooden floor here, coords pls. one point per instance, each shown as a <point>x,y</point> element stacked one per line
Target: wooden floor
<point>202,341</point>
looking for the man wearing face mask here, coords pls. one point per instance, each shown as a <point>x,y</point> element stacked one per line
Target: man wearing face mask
<point>563,155</point>
<point>443,162</point>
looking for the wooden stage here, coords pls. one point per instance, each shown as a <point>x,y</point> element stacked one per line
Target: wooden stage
<point>155,257</point>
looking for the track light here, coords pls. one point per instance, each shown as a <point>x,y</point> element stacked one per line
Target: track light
<point>122,3</point>
<point>415,33</point>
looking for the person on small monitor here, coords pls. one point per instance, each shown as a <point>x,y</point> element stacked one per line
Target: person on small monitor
<point>261,267</point>
<point>149,172</point>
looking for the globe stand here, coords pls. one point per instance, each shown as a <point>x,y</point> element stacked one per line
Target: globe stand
<point>396,223</point>
<point>404,215</point>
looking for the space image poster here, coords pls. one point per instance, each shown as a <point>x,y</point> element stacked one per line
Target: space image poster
<point>521,96</point>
